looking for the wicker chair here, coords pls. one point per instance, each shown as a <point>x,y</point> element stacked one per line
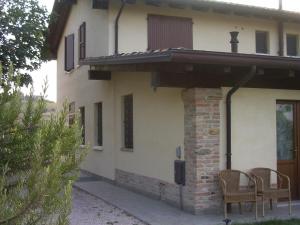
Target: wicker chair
<point>265,190</point>
<point>233,192</point>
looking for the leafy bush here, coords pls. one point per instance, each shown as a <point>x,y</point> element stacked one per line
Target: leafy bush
<point>39,159</point>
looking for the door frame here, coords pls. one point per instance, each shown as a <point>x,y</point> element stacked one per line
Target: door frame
<point>296,113</point>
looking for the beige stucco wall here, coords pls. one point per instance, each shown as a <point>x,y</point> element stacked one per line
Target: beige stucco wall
<point>75,86</point>
<point>158,126</point>
<point>253,127</point>
<point>158,116</point>
<point>210,30</point>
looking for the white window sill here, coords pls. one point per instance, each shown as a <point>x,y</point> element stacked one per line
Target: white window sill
<point>83,146</point>
<point>263,54</point>
<point>98,148</point>
<point>293,56</point>
<point>126,149</point>
<point>69,72</point>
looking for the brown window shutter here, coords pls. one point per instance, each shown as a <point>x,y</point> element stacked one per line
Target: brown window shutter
<point>82,41</point>
<point>99,124</point>
<point>128,121</point>
<point>71,113</point>
<point>69,52</point>
<point>82,123</point>
<point>169,32</point>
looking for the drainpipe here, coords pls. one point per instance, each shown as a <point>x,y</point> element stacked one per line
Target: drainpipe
<point>234,49</point>
<point>280,4</point>
<point>236,87</point>
<point>280,33</point>
<point>117,27</point>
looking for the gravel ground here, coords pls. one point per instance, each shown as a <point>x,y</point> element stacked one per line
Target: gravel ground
<point>88,210</point>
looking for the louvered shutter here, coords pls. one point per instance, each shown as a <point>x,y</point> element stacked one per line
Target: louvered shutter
<point>128,121</point>
<point>169,32</point>
<point>69,52</point>
<point>82,123</point>
<point>82,41</point>
<point>99,124</point>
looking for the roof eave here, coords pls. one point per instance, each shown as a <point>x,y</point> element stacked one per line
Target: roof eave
<point>59,16</point>
<point>197,57</point>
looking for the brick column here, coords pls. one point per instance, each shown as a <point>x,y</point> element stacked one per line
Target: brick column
<point>202,148</point>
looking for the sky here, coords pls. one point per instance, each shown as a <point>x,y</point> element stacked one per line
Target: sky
<point>48,70</point>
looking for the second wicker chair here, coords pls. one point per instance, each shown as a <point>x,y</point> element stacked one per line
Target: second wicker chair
<point>265,190</point>
<point>233,192</point>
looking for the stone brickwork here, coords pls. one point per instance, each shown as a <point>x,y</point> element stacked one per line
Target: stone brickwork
<point>149,186</point>
<point>202,143</point>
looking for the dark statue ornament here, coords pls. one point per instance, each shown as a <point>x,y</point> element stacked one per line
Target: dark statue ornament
<point>234,41</point>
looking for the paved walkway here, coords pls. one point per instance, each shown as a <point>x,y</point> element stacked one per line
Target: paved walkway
<point>90,210</point>
<point>154,212</point>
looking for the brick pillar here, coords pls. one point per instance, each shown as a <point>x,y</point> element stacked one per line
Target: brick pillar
<point>202,148</point>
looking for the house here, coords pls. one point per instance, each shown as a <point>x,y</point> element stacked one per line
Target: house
<point>219,81</point>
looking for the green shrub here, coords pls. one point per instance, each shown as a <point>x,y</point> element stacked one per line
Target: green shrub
<point>39,159</point>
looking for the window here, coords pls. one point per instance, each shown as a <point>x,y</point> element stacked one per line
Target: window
<point>82,41</point>
<point>169,32</point>
<point>99,128</point>
<point>100,4</point>
<point>71,113</point>
<point>69,52</point>
<point>82,123</point>
<point>128,121</point>
<point>262,42</point>
<point>292,44</point>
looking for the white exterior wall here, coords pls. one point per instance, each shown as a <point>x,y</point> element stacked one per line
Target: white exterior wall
<point>75,86</point>
<point>210,30</point>
<point>158,126</point>
<point>253,127</point>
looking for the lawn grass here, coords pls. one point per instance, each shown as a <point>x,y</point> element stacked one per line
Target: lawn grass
<point>275,222</point>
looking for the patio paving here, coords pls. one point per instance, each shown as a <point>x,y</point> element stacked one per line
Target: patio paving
<point>155,212</point>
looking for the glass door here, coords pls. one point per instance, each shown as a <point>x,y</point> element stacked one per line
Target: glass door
<point>287,142</point>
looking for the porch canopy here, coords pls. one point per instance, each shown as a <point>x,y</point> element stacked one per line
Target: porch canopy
<point>204,69</point>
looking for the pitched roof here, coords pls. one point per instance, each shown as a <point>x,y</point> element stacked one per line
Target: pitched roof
<point>62,8</point>
<point>59,17</point>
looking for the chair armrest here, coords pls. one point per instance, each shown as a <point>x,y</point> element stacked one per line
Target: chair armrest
<point>223,185</point>
<point>282,176</point>
<point>259,182</point>
<point>251,180</point>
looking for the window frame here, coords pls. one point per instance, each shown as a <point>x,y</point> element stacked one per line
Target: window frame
<point>82,123</point>
<point>99,139</point>
<point>69,65</point>
<point>127,123</point>
<point>82,41</point>
<point>267,42</point>
<point>100,4</point>
<point>297,44</point>
<point>71,114</point>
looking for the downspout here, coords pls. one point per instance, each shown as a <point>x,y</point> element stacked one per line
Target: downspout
<point>236,87</point>
<point>117,27</point>
<point>234,49</point>
<point>280,33</point>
